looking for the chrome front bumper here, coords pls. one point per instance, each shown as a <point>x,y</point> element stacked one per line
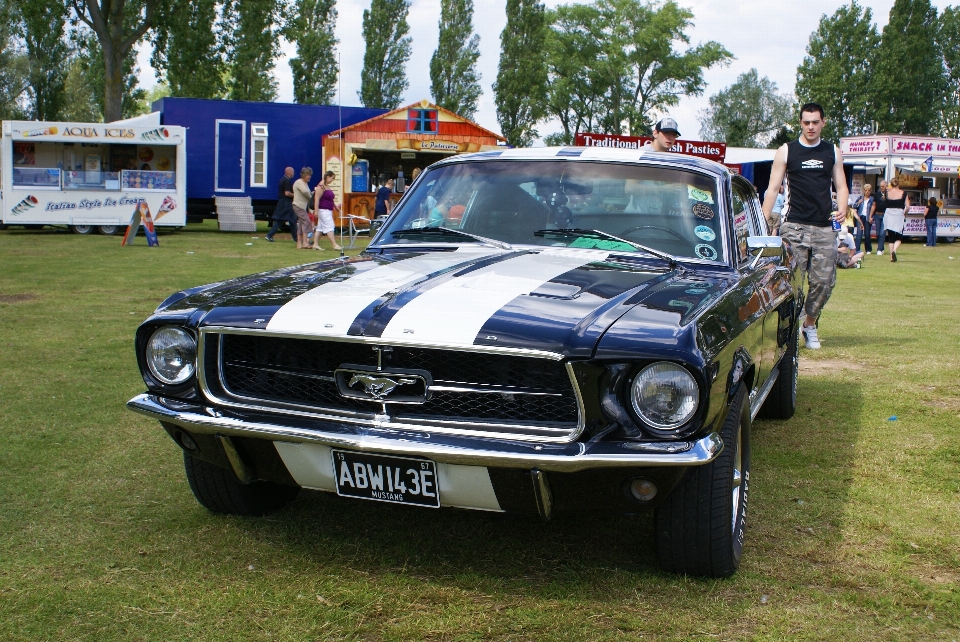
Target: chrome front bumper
<point>562,458</point>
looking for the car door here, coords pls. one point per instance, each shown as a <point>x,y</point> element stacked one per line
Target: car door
<point>770,277</point>
<point>750,307</point>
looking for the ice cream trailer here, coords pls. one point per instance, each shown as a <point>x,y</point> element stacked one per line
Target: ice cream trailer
<point>91,176</point>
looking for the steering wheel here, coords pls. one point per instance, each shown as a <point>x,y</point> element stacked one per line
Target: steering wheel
<point>654,227</point>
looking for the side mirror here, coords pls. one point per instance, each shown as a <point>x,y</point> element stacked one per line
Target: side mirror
<point>764,247</point>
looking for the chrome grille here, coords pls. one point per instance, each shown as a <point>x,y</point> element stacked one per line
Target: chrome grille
<point>504,394</point>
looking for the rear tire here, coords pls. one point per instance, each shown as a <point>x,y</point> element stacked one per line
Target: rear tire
<point>781,403</point>
<point>218,490</point>
<point>81,229</point>
<point>108,230</point>
<point>700,526</point>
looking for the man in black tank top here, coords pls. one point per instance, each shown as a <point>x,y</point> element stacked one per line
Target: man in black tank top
<point>807,167</point>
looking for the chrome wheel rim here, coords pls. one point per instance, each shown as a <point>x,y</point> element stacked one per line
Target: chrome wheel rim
<point>82,229</point>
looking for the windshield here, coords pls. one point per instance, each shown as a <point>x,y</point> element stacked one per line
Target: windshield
<point>607,206</point>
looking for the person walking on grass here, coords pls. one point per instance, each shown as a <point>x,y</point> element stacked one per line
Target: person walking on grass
<point>284,210</point>
<point>897,205</point>
<point>876,218</point>
<point>809,165</point>
<point>324,205</point>
<point>301,197</point>
<point>864,207</point>
<point>930,220</point>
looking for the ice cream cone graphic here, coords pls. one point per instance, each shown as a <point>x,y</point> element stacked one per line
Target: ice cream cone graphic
<point>48,131</point>
<point>168,205</point>
<point>158,134</point>
<point>25,205</point>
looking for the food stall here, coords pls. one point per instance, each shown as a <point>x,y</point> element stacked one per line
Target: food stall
<point>927,167</point>
<point>91,176</point>
<point>393,145</point>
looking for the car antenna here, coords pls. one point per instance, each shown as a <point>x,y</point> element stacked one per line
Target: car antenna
<point>340,118</point>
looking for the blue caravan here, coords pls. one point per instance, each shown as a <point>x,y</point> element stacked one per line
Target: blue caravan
<point>237,148</point>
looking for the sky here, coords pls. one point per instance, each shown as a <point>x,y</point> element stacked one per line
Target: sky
<point>770,36</point>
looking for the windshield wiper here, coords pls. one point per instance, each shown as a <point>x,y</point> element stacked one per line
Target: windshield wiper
<point>598,234</point>
<point>445,231</point>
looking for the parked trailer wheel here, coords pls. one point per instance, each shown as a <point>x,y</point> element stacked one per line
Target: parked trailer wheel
<point>108,230</point>
<point>81,229</point>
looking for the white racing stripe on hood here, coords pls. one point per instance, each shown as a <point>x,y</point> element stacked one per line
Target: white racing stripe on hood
<point>329,309</point>
<point>454,312</point>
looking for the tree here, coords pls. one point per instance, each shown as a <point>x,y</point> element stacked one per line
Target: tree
<point>910,76</point>
<point>384,78</point>
<point>576,83</point>
<point>118,25</point>
<point>252,50</point>
<point>14,65</point>
<point>660,73</point>
<point>93,67</point>
<point>836,72</point>
<point>950,42</point>
<point>520,88</point>
<point>80,99</point>
<point>48,53</point>
<point>454,81</point>
<point>614,64</point>
<point>315,68</point>
<point>748,113</point>
<point>189,47</point>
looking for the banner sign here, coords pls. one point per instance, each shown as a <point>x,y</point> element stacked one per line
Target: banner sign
<point>141,214</point>
<point>437,145</point>
<point>865,146</point>
<point>105,208</point>
<point>94,133</point>
<point>709,150</point>
<point>900,146</point>
<point>946,226</point>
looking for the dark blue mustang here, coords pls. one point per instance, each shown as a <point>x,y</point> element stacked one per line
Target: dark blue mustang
<point>531,331</point>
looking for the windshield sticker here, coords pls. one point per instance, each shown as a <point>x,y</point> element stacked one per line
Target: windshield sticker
<point>601,244</point>
<point>699,195</point>
<point>705,233</point>
<point>705,251</point>
<point>695,291</point>
<point>700,210</point>
<point>680,304</point>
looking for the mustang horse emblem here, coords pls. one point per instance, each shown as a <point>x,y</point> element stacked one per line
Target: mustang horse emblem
<point>378,387</point>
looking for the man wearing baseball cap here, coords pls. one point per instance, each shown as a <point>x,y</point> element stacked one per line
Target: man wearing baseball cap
<point>665,135</point>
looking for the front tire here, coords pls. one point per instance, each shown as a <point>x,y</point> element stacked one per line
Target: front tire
<point>781,403</point>
<point>700,527</point>
<point>218,490</point>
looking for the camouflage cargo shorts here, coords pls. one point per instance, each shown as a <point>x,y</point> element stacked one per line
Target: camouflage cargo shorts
<point>816,251</point>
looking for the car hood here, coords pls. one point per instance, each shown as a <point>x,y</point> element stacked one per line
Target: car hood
<point>558,300</point>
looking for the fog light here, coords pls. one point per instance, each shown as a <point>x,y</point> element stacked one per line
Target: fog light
<point>643,489</point>
<point>186,441</point>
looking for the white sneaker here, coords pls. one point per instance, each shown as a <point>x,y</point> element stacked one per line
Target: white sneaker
<point>810,337</point>
<point>879,252</point>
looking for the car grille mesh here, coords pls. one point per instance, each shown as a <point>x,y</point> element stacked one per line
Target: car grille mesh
<point>493,393</point>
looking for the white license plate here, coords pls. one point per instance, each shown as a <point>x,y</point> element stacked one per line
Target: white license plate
<point>385,478</point>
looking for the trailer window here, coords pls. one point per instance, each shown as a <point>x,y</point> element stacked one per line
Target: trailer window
<point>258,169</point>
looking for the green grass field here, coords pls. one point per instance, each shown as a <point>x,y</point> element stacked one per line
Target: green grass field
<point>854,525</point>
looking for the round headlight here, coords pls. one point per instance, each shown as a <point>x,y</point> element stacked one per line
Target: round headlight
<point>171,355</point>
<point>665,395</point>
